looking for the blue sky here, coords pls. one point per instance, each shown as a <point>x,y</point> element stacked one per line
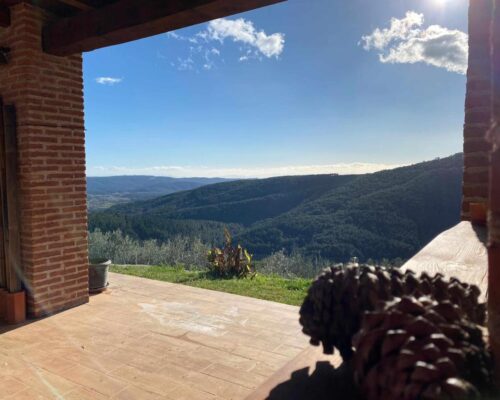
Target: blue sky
<point>305,86</point>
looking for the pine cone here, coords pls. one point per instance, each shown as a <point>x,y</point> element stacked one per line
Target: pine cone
<point>464,295</point>
<point>421,349</point>
<point>332,310</point>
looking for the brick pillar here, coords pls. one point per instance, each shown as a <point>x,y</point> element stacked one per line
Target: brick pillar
<point>477,107</point>
<point>48,94</point>
<point>494,195</point>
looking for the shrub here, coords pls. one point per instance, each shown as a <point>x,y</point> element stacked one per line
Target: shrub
<point>230,260</point>
<point>122,249</point>
<point>191,253</point>
<point>292,265</point>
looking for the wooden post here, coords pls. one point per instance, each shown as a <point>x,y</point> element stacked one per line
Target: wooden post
<point>13,249</point>
<point>494,196</point>
<point>494,262</point>
<point>3,262</point>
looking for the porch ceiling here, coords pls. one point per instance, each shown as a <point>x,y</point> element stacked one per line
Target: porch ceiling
<point>63,8</point>
<point>85,25</point>
<point>150,340</point>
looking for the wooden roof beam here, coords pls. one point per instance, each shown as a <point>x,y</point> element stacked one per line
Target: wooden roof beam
<point>4,16</point>
<point>58,8</point>
<point>128,20</point>
<point>77,4</point>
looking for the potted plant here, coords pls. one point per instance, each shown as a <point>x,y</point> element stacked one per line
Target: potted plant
<point>98,275</point>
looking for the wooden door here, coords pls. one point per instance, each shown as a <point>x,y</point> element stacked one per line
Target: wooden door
<point>10,244</point>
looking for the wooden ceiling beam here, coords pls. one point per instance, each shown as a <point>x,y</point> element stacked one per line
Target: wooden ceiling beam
<point>9,3</point>
<point>81,4</point>
<point>4,16</point>
<point>59,8</point>
<point>77,4</point>
<point>128,20</point>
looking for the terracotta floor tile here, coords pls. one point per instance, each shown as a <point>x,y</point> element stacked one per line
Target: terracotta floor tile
<point>98,381</point>
<point>190,393</point>
<point>27,394</point>
<point>152,381</point>
<point>249,380</point>
<point>135,393</point>
<point>10,386</point>
<point>56,365</point>
<point>144,339</point>
<point>216,386</point>
<point>46,383</point>
<point>84,394</point>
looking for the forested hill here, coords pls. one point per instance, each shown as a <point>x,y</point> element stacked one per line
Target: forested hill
<point>388,214</point>
<point>104,192</point>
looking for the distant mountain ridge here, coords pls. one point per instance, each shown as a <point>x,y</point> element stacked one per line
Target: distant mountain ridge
<point>104,192</point>
<point>388,214</point>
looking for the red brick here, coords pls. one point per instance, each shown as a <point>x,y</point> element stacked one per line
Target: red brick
<point>480,191</point>
<point>48,94</point>
<point>477,107</point>
<point>473,176</point>
<point>477,117</point>
<point>477,145</point>
<point>478,100</point>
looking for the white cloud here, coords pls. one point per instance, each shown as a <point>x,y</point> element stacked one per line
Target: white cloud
<point>407,41</point>
<point>241,30</point>
<point>255,172</point>
<point>106,80</point>
<point>174,35</point>
<point>186,64</point>
<point>203,50</point>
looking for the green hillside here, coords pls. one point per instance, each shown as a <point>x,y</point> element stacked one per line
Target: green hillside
<point>388,214</point>
<point>104,192</point>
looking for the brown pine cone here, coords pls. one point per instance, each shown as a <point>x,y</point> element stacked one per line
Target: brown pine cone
<point>332,310</point>
<point>462,294</point>
<point>421,349</point>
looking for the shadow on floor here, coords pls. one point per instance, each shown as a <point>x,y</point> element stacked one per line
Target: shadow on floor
<point>4,327</point>
<point>326,382</point>
<point>481,232</point>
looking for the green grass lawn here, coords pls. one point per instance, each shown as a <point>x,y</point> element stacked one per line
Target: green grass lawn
<point>273,288</point>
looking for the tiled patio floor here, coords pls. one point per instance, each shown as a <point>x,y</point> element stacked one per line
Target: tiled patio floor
<point>150,340</point>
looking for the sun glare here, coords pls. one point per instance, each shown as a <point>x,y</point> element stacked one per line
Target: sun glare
<point>440,3</point>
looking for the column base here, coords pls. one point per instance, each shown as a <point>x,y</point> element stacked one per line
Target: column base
<point>15,307</point>
<point>3,293</point>
<point>478,213</point>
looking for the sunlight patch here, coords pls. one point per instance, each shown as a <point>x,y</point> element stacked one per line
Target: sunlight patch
<point>188,317</point>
